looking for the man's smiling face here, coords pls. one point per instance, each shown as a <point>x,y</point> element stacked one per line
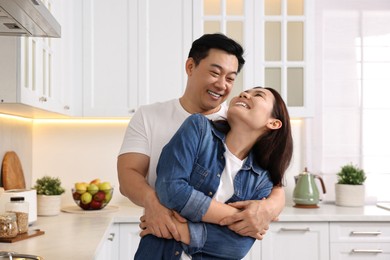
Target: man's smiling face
<point>211,81</point>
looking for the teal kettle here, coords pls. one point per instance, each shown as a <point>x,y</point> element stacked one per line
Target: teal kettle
<point>306,194</point>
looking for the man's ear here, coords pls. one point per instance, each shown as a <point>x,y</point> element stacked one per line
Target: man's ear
<point>190,65</point>
<point>274,124</point>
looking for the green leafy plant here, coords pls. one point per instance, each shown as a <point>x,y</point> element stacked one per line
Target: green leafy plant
<point>351,174</point>
<point>48,186</point>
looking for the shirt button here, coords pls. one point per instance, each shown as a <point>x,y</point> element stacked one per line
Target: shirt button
<point>210,193</point>
<point>177,253</point>
<point>219,175</point>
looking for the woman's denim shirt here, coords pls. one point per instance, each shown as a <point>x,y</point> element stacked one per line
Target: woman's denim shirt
<point>188,176</point>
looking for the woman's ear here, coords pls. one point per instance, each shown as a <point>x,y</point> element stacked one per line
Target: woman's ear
<point>274,124</point>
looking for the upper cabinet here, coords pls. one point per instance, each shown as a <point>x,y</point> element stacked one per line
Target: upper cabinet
<point>33,82</point>
<point>277,36</point>
<point>133,54</point>
<point>115,56</point>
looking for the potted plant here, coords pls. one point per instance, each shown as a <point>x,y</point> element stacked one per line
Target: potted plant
<point>49,192</point>
<point>350,190</point>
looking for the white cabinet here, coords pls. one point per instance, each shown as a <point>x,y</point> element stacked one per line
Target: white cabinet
<point>35,71</point>
<point>128,240</point>
<point>359,240</point>
<point>110,248</point>
<point>296,240</point>
<point>278,40</point>
<point>133,54</point>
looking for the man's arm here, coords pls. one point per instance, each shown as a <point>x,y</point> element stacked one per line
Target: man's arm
<point>256,215</point>
<point>132,169</point>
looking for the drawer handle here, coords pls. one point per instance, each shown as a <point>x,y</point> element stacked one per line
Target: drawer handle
<point>370,251</point>
<point>366,233</point>
<point>295,229</point>
<point>111,237</point>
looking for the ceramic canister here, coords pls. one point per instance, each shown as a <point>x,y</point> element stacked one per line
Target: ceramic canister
<point>30,196</point>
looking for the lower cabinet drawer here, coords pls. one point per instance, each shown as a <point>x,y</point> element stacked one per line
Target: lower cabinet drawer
<point>360,232</point>
<point>366,251</point>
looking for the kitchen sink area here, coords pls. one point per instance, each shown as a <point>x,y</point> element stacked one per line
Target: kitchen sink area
<point>17,256</point>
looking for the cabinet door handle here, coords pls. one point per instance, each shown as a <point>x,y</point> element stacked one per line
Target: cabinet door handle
<point>370,251</point>
<point>295,229</point>
<point>366,233</point>
<point>111,237</point>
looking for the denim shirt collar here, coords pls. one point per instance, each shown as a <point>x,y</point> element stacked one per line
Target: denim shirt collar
<point>249,162</point>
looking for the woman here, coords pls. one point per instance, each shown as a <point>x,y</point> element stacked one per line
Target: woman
<point>206,165</point>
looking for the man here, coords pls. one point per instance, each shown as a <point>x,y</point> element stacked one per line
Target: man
<point>212,66</point>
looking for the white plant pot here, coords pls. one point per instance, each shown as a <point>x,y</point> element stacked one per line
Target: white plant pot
<point>48,205</point>
<point>350,195</point>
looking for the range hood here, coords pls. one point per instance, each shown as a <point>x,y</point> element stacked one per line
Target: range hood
<point>27,18</point>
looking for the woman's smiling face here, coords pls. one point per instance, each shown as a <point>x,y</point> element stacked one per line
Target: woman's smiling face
<point>252,107</point>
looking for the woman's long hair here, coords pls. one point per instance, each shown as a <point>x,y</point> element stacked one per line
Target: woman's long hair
<point>273,151</point>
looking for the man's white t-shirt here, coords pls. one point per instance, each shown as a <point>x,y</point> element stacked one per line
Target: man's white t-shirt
<point>151,128</point>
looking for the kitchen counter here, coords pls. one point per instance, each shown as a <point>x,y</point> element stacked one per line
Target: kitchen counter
<point>72,236</point>
<point>79,236</point>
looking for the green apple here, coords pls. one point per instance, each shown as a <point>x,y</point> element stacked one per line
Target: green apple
<point>108,197</point>
<point>93,189</point>
<point>86,198</point>
<point>105,186</point>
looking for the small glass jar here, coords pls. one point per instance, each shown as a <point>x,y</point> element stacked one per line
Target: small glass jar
<point>20,207</point>
<point>8,225</point>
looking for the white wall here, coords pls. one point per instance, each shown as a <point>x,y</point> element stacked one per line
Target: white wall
<point>77,151</point>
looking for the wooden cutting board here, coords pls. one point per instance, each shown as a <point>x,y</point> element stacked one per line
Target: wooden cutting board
<point>12,172</point>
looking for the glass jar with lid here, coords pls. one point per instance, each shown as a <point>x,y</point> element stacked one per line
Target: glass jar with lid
<point>20,207</point>
<point>8,225</point>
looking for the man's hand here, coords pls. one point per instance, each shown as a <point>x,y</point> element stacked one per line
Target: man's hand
<point>253,220</point>
<point>158,221</point>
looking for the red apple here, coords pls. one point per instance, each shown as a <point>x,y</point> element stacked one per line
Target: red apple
<point>84,206</point>
<point>76,195</point>
<point>100,196</point>
<point>95,204</point>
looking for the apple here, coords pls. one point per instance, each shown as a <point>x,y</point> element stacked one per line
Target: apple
<point>80,187</point>
<point>86,198</point>
<point>76,195</point>
<point>95,181</point>
<point>99,196</point>
<point>105,186</point>
<point>93,188</point>
<point>96,204</point>
<point>108,197</point>
<point>84,206</point>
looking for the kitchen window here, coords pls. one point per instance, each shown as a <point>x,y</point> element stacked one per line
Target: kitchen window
<point>352,99</point>
<point>374,67</point>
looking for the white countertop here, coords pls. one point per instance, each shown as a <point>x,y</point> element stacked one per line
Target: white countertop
<point>79,236</point>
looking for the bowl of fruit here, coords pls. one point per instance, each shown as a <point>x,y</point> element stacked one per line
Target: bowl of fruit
<point>92,196</point>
